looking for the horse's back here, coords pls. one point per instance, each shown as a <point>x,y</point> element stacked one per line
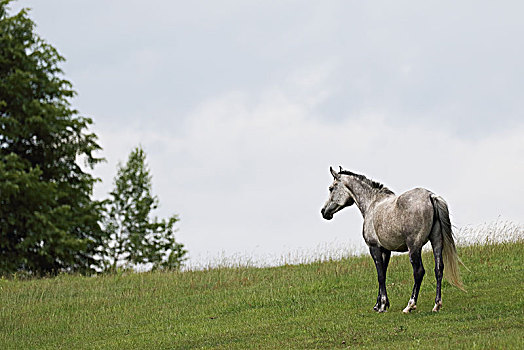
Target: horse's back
<point>414,201</point>
<point>403,219</point>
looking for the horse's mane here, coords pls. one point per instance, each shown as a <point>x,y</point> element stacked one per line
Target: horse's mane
<point>376,185</point>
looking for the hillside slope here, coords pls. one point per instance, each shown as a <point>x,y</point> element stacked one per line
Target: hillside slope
<point>319,305</point>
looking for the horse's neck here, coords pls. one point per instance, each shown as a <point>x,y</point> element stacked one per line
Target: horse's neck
<point>363,194</point>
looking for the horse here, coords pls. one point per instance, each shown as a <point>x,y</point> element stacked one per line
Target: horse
<point>398,223</point>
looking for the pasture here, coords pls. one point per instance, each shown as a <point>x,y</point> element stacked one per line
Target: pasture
<point>321,305</point>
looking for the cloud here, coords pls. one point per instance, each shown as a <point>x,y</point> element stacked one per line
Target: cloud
<point>448,62</point>
<point>243,106</point>
<point>249,172</point>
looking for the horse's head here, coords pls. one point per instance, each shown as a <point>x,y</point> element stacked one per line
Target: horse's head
<point>339,197</point>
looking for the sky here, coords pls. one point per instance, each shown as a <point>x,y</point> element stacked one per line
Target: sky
<point>242,107</point>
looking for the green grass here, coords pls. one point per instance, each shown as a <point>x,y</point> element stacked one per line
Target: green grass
<point>318,305</point>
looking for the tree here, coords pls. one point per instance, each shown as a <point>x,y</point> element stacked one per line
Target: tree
<point>134,237</point>
<point>48,221</point>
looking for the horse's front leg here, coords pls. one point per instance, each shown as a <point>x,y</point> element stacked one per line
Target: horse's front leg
<point>381,257</point>
<point>418,274</point>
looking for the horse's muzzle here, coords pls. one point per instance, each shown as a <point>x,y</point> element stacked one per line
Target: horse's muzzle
<point>325,215</point>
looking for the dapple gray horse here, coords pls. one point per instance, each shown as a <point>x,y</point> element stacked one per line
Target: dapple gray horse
<point>398,223</point>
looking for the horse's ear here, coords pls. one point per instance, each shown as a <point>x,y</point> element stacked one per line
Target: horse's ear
<point>336,176</point>
<point>340,169</point>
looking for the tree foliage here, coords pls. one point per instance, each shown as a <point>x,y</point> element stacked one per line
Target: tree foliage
<point>48,221</point>
<point>135,237</point>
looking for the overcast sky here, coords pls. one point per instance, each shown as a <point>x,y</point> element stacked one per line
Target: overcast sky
<point>242,106</point>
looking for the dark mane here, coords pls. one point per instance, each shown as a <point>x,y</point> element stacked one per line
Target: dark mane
<point>373,184</point>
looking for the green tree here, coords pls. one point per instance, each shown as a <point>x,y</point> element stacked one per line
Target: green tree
<point>48,221</point>
<point>135,237</point>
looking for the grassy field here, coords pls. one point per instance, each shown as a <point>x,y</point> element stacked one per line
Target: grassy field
<point>318,305</point>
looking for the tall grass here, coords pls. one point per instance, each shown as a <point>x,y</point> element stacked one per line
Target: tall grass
<point>491,232</point>
<point>497,231</point>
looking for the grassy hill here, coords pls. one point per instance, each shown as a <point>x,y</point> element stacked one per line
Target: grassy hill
<point>318,305</point>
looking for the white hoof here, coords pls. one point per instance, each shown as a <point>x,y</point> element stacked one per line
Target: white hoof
<point>411,306</point>
<point>437,306</point>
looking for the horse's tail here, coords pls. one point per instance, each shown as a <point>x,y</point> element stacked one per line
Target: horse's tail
<point>449,251</point>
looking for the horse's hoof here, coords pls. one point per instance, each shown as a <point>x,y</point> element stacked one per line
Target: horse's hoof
<point>437,306</point>
<point>411,306</point>
<point>381,308</point>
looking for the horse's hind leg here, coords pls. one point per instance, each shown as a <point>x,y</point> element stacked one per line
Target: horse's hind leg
<point>381,257</point>
<point>418,274</point>
<point>436,243</point>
